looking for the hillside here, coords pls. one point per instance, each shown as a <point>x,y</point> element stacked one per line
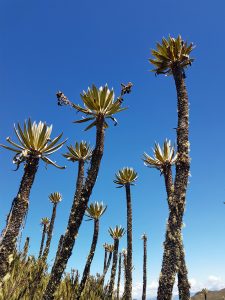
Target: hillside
<point>212,295</point>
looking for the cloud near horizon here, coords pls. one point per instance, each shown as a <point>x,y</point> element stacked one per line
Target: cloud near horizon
<point>211,283</point>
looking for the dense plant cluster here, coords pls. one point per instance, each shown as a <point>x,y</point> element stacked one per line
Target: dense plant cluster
<point>35,144</point>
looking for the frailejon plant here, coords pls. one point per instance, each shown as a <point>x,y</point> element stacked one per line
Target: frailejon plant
<point>109,248</point>
<point>204,292</point>
<point>144,238</point>
<point>99,105</point>
<point>172,57</point>
<point>94,212</point>
<point>44,224</point>
<point>116,233</point>
<point>35,143</point>
<point>55,198</point>
<point>125,178</point>
<point>163,160</point>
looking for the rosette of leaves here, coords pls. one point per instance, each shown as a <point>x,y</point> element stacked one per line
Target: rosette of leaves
<point>81,151</point>
<point>95,210</point>
<point>55,197</point>
<point>171,52</point>
<point>97,102</point>
<point>34,141</point>
<point>125,176</point>
<point>164,156</point>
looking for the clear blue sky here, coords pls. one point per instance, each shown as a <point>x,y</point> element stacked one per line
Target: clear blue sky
<point>68,45</point>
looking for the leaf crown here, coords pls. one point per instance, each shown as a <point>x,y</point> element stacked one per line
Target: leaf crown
<point>81,151</point>
<point>162,157</point>
<point>34,140</point>
<point>117,232</point>
<point>55,197</point>
<point>126,176</point>
<point>170,53</point>
<point>95,210</point>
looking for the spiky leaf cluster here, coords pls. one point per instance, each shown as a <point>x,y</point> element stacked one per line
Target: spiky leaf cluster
<point>81,151</point>
<point>170,53</point>
<point>97,102</point>
<point>162,157</point>
<point>55,197</point>
<point>95,210</point>
<point>34,140</point>
<point>117,232</point>
<point>126,176</point>
<point>109,247</point>
<point>44,221</point>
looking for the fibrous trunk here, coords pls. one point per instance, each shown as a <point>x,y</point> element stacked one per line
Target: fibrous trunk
<point>182,274</point>
<point>113,270</point>
<point>128,285</point>
<point>144,268</point>
<point>42,241</point>
<point>105,260</point>
<point>42,263</point>
<point>49,233</point>
<point>102,278</point>
<point>171,257</point>
<point>124,268</point>
<point>118,282</point>
<point>82,195</point>
<point>17,215</point>
<point>89,259</point>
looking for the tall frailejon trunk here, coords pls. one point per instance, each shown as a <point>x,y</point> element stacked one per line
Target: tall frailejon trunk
<point>102,278</point>
<point>42,263</point>
<point>183,283</point>
<point>144,268</point>
<point>128,286</point>
<point>118,282</point>
<point>124,267</point>
<point>49,233</point>
<point>113,270</point>
<point>105,260</point>
<point>82,196</point>
<point>17,215</point>
<point>89,259</point>
<point>171,255</point>
<point>182,274</point>
<point>42,241</point>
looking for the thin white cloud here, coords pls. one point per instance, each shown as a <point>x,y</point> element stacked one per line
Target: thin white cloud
<point>211,283</point>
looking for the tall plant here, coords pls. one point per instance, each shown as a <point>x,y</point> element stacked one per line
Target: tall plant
<point>125,178</point>
<point>109,248</point>
<point>172,57</point>
<point>35,143</point>
<point>93,212</point>
<point>116,233</point>
<point>55,198</point>
<point>163,160</point>
<point>44,224</point>
<point>205,293</point>
<point>99,105</point>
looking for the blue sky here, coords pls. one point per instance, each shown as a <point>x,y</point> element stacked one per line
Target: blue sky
<point>68,45</point>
